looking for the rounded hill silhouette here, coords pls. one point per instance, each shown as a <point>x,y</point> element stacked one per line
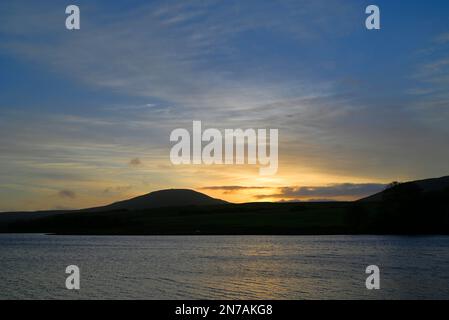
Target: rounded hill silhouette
<point>163,198</point>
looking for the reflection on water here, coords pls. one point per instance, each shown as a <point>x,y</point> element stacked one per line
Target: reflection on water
<point>223,267</point>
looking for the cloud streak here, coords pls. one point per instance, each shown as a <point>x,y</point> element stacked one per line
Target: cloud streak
<point>67,194</point>
<point>296,193</point>
<point>329,191</point>
<point>135,162</point>
<point>232,188</point>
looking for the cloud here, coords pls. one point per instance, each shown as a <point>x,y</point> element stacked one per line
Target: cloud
<point>117,189</point>
<point>316,193</point>
<point>68,194</point>
<point>188,57</point>
<point>333,190</point>
<point>135,162</point>
<point>442,38</point>
<point>179,52</point>
<point>432,96</point>
<point>231,189</point>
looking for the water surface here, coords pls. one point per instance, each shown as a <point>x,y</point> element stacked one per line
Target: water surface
<point>223,267</point>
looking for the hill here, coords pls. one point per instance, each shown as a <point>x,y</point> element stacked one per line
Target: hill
<point>425,186</point>
<point>162,198</point>
<point>152,200</point>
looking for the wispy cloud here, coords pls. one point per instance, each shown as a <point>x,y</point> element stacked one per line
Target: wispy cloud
<point>135,162</point>
<point>349,190</point>
<point>442,38</point>
<point>308,193</point>
<point>67,194</point>
<point>117,189</point>
<point>233,189</point>
<point>432,76</point>
<point>152,37</point>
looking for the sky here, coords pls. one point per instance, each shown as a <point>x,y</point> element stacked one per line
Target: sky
<point>86,115</point>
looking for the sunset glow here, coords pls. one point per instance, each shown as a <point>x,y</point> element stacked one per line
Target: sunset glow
<point>86,115</point>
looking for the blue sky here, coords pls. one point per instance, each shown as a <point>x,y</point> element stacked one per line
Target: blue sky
<point>352,105</point>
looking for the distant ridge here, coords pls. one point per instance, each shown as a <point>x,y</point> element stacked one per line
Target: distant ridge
<point>403,209</point>
<point>162,198</point>
<point>426,185</point>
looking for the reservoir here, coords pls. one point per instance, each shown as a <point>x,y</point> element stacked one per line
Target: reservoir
<point>32,266</point>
